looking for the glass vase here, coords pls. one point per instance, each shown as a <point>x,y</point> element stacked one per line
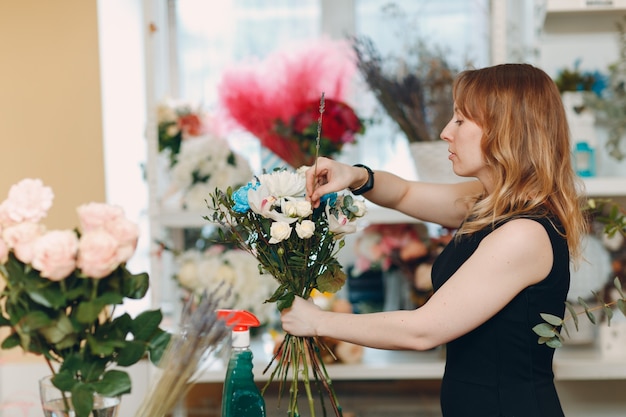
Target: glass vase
<point>56,403</point>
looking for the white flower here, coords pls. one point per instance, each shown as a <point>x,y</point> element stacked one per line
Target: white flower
<point>279,231</point>
<point>292,207</point>
<point>281,184</point>
<point>305,229</point>
<point>203,164</point>
<point>303,208</point>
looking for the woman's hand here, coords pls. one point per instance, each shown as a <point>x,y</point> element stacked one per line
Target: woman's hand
<point>300,318</point>
<point>331,176</point>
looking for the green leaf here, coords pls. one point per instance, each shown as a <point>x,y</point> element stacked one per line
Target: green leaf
<point>573,313</point>
<point>544,330</point>
<point>11,341</point>
<point>131,353</point>
<point>618,285</point>
<point>146,323</point>
<point>64,380</point>
<point>58,330</point>
<point>621,305</point>
<point>35,320</point>
<point>135,286</point>
<point>88,311</point>
<point>332,281</point>
<point>554,343</point>
<point>285,301</point>
<point>552,319</point>
<point>104,347</point>
<point>82,399</point>
<point>158,345</point>
<point>113,383</point>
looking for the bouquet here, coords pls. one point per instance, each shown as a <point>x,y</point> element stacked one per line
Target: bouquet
<point>177,122</point>
<point>247,289</point>
<point>276,100</point>
<point>203,164</point>
<point>61,290</point>
<point>297,246</point>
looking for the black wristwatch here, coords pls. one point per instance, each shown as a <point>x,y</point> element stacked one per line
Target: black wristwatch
<point>369,184</point>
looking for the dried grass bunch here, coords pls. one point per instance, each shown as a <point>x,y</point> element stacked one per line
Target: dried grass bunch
<point>201,333</point>
<point>416,94</point>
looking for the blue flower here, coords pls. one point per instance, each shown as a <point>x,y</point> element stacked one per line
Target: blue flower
<point>240,197</point>
<point>329,199</point>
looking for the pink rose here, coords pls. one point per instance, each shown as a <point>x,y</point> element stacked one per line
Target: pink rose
<point>4,252</point>
<point>55,254</point>
<point>94,216</point>
<point>126,233</point>
<point>28,201</point>
<point>97,254</point>
<point>21,237</point>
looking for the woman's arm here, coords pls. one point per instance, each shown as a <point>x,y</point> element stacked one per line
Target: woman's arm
<point>513,257</point>
<point>444,204</point>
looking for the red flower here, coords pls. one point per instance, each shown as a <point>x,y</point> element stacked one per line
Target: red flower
<point>190,124</point>
<point>339,122</point>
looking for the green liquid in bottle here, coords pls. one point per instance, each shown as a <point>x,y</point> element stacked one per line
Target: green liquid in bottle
<point>241,396</point>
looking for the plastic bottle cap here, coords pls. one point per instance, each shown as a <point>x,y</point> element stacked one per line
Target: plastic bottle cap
<point>240,322</point>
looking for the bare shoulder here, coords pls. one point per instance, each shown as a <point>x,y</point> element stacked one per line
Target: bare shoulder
<point>523,243</point>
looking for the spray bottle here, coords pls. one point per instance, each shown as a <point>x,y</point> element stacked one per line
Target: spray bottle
<point>241,396</point>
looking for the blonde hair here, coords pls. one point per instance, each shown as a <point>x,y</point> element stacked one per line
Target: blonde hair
<point>526,146</point>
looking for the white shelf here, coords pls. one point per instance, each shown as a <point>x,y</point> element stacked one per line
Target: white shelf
<point>605,186</point>
<point>594,187</point>
<point>584,6</point>
<point>570,364</point>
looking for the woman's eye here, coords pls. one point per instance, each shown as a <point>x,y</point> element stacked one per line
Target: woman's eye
<point>458,121</point>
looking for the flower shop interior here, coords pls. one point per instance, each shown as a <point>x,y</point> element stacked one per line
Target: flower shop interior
<point>170,99</point>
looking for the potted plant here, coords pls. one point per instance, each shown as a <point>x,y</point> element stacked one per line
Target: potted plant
<point>61,289</point>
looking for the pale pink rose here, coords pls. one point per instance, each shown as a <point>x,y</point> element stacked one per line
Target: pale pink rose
<point>28,201</point>
<point>126,233</point>
<point>21,238</point>
<point>339,225</point>
<point>55,254</point>
<point>5,220</point>
<point>4,252</point>
<point>97,254</point>
<point>94,216</point>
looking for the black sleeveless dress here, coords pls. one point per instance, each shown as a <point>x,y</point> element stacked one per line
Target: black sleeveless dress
<point>499,369</point>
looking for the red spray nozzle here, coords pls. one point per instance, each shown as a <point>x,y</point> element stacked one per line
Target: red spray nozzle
<point>240,320</point>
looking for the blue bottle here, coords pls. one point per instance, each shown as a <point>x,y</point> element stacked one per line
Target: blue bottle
<point>584,160</point>
<point>241,396</point>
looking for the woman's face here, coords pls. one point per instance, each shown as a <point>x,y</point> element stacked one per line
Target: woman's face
<point>464,137</point>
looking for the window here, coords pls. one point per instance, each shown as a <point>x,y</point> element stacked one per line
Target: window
<point>209,38</point>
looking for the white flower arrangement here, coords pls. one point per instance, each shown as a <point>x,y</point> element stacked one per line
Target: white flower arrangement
<point>204,164</point>
<point>238,269</point>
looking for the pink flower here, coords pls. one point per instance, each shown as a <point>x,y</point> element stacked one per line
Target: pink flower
<point>94,216</point>
<point>55,254</point>
<point>28,201</point>
<point>21,237</point>
<point>97,254</point>
<point>126,233</point>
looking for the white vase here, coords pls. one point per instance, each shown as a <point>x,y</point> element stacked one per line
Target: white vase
<point>432,163</point>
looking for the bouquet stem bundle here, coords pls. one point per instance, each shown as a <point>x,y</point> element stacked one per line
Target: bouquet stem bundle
<point>305,351</point>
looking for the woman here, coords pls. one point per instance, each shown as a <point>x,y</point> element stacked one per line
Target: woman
<point>518,224</point>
